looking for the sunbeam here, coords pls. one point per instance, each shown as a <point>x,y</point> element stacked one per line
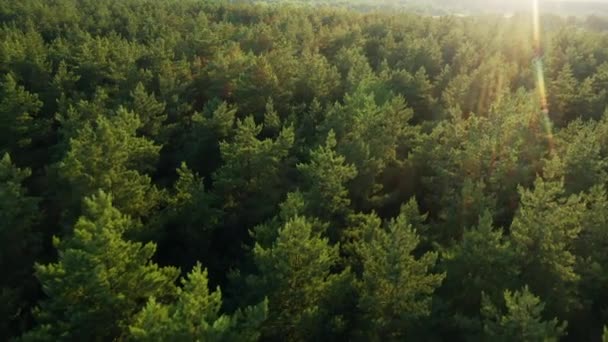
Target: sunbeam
<point>540,76</point>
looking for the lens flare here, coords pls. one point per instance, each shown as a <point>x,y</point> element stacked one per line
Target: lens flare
<point>540,76</point>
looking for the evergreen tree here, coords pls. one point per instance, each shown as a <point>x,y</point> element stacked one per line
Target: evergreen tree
<point>592,259</point>
<point>368,136</point>
<point>151,112</point>
<point>195,316</point>
<point>295,274</point>
<point>323,118</point>
<point>521,321</point>
<point>483,261</point>
<point>19,246</point>
<point>108,155</point>
<point>581,153</point>
<point>185,226</point>
<point>199,138</point>
<point>543,233</point>
<point>326,176</point>
<point>100,280</point>
<point>251,167</point>
<point>417,91</point>
<point>20,124</point>
<point>563,95</point>
<point>396,287</point>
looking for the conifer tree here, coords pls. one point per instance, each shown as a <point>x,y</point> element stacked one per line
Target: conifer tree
<point>295,274</point>
<point>195,316</point>
<point>563,90</point>
<point>100,280</point>
<point>581,153</point>
<point>543,233</point>
<point>199,138</point>
<point>20,124</point>
<point>368,136</point>
<point>592,256</point>
<point>483,261</point>
<point>186,224</point>
<point>108,155</point>
<point>150,111</point>
<point>396,286</point>
<point>251,167</point>
<point>19,245</point>
<point>521,321</point>
<point>326,176</point>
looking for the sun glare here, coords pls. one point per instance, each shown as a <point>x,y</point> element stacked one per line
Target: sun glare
<point>540,76</point>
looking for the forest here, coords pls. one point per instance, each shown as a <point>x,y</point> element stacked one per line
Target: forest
<point>197,170</point>
<point>565,8</point>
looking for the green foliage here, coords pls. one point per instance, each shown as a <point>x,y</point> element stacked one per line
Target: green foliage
<point>20,124</point>
<point>521,321</point>
<point>100,279</point>
<point>108,155</point>
<point>326,177</point>
<point>276,143</point>
<point>470,165</point>
<point>543,234</point>
<point>582,156</point>
<point>19,245</point>
<point>150,111</point>
<point>185,225</point>
<point>592,261</point>
<point>252,165</point>
<point>396,287</point>
<point>295,274</point>
<point>484,261</point>
<point>368,135</point>
<point>194,316</point>
<point>199,138</point>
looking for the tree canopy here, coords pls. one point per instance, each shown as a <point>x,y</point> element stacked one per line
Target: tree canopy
<point>302,170</point>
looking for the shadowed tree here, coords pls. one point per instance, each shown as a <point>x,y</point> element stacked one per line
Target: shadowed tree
<point>100,280</point>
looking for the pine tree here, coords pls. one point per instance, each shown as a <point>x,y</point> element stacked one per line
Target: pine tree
<point>199,138</point>
<point>315,78</point>
<point>362,229</point>
<point>19,245</point>
<point>368,136</point>
<point>108,155</point>
<point>195,316</point>
<point>563,92</point>
<point>100,279</point>
<point>251,167</point>
<point>396,287</point>
<point>325,177</point>
<point>592,258</point>
<point>522,320</point>
<point>20,125</point>
<point>543,233</point>
<point>483,261</point>
<point>150,111</point>
<point>580,150</point>
<point>295,274</point>
<point>186,223</point>
<point>416,89</point>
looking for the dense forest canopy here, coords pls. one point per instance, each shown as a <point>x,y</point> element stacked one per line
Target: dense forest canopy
<point>460,7</point>
<point>188,170</point>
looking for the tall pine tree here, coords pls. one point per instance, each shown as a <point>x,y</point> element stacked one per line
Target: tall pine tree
<point>100,280</point>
